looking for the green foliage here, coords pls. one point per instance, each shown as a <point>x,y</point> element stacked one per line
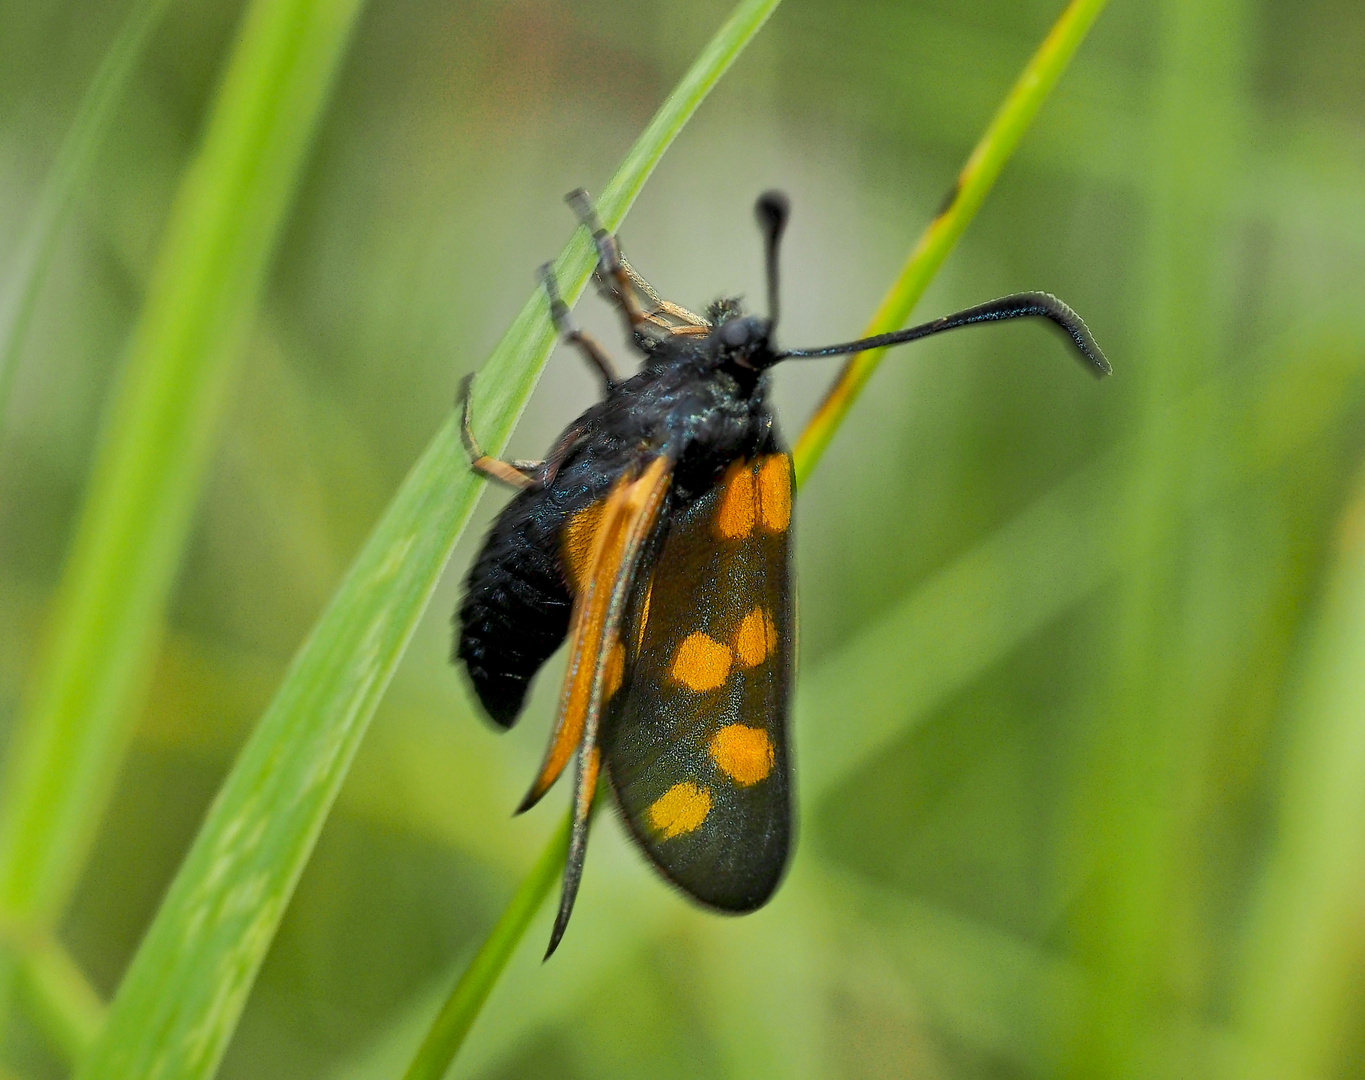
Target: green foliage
<point>69,172</point>
<point>1077,729</point>
<point>152,452</point>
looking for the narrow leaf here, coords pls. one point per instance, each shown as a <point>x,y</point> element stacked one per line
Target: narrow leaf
<point>69,170</point>
<point>86,686</point>
<point>997,145</point>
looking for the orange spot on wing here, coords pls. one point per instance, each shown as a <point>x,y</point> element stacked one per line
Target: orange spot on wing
<point>743,753</point>
<point>681,809</point>
<point>775,492</point>
<point>701,663</point>
<point>756,639</point>
<point>735,516</point>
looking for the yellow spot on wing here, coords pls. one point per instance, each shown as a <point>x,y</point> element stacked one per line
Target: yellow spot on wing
<point>701,663</point>
<point>743,753</point>
<point>775,493</point>
<point>680,809</point>
<point>756,639</point>
<point>735,516</point>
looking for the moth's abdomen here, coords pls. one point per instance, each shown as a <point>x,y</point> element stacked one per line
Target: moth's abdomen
<point>515,612</point>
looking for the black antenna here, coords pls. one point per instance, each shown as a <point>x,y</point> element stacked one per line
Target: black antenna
<point>1017,306</point>
<point>772,210</point>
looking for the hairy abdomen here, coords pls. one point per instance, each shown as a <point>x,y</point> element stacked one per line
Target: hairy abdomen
<point>516,607</point>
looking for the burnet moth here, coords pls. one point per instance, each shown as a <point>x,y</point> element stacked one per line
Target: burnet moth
<point>656,536</point>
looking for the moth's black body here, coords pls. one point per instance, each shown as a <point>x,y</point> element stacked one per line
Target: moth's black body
<point>656,536</point>
<point>518,601</point>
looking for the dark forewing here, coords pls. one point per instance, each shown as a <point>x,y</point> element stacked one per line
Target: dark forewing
<point>695,742</point>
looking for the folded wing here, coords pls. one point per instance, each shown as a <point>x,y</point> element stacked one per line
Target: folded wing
<point>695,741</point>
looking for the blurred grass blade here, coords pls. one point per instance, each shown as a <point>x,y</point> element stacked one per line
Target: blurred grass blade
<point>84,690</point>
<point>59,998</point>
<point>1302,963</point>
<point>1053,555</point>
<point>457,1015</point>
<point>996,145</point>
<point>1008,997</point>
<point>974,182</point>
<point>996,595</point>
<point>182,995</point>
<point>69,170</point>
<point>1166,657</point>
<point>1011,999</point>
<point>759,986</point>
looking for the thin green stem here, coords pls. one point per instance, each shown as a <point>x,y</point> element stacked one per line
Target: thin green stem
<point>69,171</point>
<point>1302,946</point>
<point>457,1015</point>
<point>1001,138</point>
<point>59,998</point>
<point>1139,848</point>
<point>996,146</point>
<point>53,990</point>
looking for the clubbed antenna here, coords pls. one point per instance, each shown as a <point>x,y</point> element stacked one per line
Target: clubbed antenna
<point>772,210</point>
<point>1019,306</point>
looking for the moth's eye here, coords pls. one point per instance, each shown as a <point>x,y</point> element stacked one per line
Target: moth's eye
<point>736,333</point>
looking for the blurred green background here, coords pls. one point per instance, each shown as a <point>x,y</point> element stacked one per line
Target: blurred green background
<point>1081,721</point>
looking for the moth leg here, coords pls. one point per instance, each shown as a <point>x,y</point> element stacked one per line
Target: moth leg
<point>518,475</point>
<point>609,259</point>
<point>663,314</point>
<point>581,339</point>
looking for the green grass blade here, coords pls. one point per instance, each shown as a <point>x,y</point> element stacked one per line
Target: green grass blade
<point>1156,729</point>
<point>1302,962</point>
<point>69,170</point>
<point>458,1013</point>
<point>997,144</point>
<point>59,998</point>
<point>996,595</point>
<point>1053,555</point>
<point>185,989</point>
<point>157,438</point>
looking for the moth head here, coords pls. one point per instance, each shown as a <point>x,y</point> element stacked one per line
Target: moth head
<point>746,340</point>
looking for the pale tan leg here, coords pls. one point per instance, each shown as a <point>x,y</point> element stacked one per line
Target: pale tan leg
<point>515,475</point>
